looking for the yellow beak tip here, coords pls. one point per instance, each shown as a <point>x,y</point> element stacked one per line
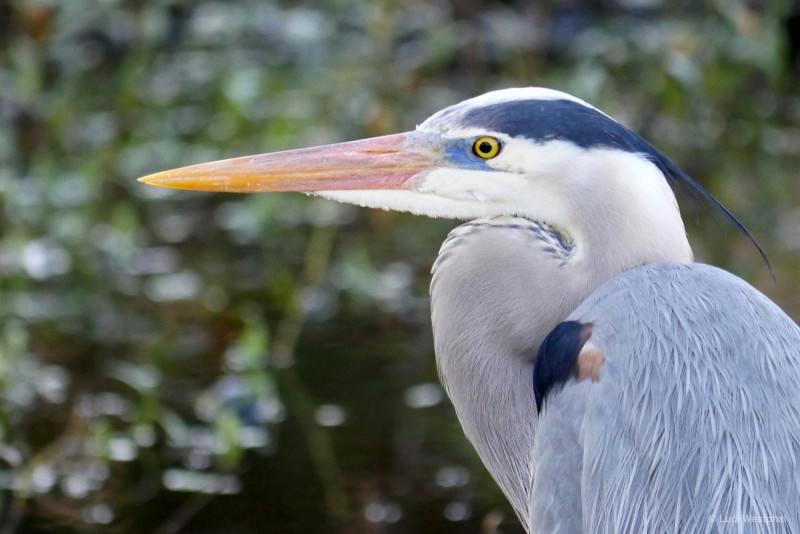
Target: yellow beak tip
<point>153,179</point>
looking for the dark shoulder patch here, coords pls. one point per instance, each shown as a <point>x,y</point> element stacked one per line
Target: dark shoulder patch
<point>564,120</point>
<point>557,360</point>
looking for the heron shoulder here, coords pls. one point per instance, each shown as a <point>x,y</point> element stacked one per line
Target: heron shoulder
<point>696,315</point>
<point>698,402</point>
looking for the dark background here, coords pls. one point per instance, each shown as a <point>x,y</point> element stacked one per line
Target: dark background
<point>189,362</point>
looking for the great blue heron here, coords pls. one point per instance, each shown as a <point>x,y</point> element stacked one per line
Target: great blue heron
<point>608,383</point>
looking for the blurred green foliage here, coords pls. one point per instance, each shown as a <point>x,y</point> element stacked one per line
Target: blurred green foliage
<point>183,362</point>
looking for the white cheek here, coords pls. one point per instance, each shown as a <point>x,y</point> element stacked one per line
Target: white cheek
<point>454,193</point>
<point>502,193</point>
<point>484,186</point>
<point>549,160</point>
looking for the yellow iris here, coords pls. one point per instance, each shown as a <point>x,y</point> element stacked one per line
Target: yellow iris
<point>486,147</point>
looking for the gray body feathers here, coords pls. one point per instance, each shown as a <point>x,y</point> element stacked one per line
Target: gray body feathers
<point>694,425</point>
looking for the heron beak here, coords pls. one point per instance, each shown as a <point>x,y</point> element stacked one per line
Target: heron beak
<point>389,162</point>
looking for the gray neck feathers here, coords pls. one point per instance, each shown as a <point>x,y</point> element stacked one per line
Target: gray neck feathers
<point>487,325</point>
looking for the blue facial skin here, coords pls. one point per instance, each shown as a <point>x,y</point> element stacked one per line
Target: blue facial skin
<point>459,153</point>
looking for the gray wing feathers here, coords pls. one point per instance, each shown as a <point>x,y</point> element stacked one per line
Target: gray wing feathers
<point>694,425</point>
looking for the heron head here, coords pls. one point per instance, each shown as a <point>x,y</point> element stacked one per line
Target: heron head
<point>528,152</point>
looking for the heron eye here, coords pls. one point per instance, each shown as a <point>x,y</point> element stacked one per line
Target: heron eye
<point>486,147</point>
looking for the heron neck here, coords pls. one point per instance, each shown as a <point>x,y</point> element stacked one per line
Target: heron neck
<point>488,294</point>
<point>632,220</point>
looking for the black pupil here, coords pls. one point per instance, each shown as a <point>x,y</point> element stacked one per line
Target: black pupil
<point>485,147</point>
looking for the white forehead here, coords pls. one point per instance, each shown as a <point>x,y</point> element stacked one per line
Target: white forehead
<point>450,115</point>
<point>520,93</point>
